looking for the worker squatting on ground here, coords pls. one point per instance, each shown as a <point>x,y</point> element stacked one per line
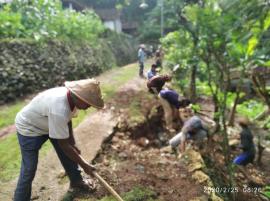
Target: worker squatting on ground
<point>48,116</point>
<point>247,144</point>
<point>171,102</point>
<point>156,83</point>
<point>194,129</point>
<point>141,59</point>
<point>152,72</point>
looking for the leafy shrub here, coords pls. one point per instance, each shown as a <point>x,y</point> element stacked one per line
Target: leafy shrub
<point>10,24</point>
<point>122,46</point>
<point>250,108</point>
<point>41,19</point>
<point>26,67</point>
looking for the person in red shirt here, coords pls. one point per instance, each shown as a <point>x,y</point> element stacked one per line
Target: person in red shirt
<point>156,83</point>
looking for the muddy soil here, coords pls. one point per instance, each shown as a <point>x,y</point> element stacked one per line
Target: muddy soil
<point>131,163</point>
<point>136,157</point>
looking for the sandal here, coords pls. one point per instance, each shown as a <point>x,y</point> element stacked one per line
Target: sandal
<point>84,185</point>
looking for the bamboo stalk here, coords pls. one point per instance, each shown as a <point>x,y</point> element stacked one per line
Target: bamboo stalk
<point>108,187</point>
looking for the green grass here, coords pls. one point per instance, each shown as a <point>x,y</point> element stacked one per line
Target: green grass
<point>10,159</point>
<point>266,191</point>
<point>9,148</point>
<point>136,194</point>
<point>136,116</point>
<point>8,113</point>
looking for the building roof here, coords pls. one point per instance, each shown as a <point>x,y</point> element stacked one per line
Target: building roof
<point>75,5</point>
<point>108,14</point>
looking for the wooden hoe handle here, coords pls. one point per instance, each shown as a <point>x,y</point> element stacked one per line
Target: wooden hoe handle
<point>107,186</point>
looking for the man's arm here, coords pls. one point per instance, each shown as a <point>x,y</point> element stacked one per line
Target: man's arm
<point>71,137</point>
<point>182,146</point>
<point>72,153</point>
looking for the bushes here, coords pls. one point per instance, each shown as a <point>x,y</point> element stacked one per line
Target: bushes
<point>122,46</point>
<point>27,66</point>
<point>66,46</point>
<point>40,19</point>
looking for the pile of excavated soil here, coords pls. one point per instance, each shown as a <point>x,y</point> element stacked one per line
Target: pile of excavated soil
<point>127,163</point>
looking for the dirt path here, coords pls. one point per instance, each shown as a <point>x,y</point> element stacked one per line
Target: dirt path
<point>89,135</point>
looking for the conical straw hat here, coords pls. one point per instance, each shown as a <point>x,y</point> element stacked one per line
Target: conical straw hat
<point>87,90</point>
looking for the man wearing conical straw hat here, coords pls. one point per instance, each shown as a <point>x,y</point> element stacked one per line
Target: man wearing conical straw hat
<point>48,116</point>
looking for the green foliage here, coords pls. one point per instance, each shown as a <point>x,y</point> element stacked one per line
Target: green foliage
<point>195,107</point>
<point>8,113</point>
<point>42,20</point>
<point>30,67</point>
<point>266,191</point>
<point>136,194</point>
<point>250,108</point>
<point>123,47</point>
<point>10,24</point>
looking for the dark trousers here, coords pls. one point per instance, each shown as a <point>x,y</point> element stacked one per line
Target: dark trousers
<point>141,65</point>
<point>30,147</point>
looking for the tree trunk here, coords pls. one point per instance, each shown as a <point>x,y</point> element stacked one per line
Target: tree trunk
<point>216,118</point>
<point>192,84</point>
<point>232,115</point>
<point>260,152</point>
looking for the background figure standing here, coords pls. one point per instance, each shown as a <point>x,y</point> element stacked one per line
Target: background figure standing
<point>141,59</point>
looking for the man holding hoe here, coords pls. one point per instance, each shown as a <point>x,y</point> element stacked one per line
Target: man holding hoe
<point>48,116</point>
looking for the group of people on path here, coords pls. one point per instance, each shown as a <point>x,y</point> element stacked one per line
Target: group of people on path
<point>142,56</point>
<point>177,111</point>
<point>49,115</point>
<point>174,106</point>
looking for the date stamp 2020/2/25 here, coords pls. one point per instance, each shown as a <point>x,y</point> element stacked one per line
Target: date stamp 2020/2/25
<point>244,189</point>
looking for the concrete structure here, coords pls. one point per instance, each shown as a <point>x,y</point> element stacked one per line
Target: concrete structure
<point>110,18</point>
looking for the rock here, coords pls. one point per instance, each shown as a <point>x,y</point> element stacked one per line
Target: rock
<point>35,197</point>
<point>202,198</point>
<point>62,174</point>
<point>106,162</point>
<point>115,139</point>
<point>195,161</point>
<point>163,176</point>
<point>183,176</point>
<point>143,141</point>
<point>120,134</point>
<point>42,188</point>
<point>140,168</point>
<point>195,166</point>
<point>214,197</point>
<point>200,177</point>
<point>166,149</point>
<point>123,156</point>
<point>234,142</point>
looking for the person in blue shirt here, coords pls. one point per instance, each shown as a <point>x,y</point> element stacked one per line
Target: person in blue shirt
<point>171,102</point>
<point>247,144</point>
<point>141,59</point>
<point>152,72</point>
